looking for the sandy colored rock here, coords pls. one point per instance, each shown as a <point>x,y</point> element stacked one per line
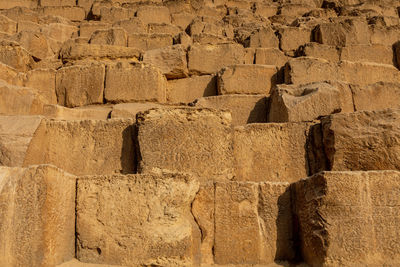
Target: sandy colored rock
<point>7,25</point>
<point>153,215</point>
<point>7,73</point>
<point>189,89</point>
<point>127,82</point>
<point>57,2</point>
<point>37,216</point>
<point>247,79</point>
<point>35,43</point>
<point>290,38</point>
<point>72,13</point>
<point>255,148</point>
<point>308,102</point>
<point>153,14</point>
<point>368,53</point>
<point>264,37</point>
<point>256,212</point>
<point>146,42</point>
<point>18,3</point>
<point>87,28</point>
<point>59,31</point>
<point>165,138</point>
<point>113,36</point>
<point>376,96</point>
<point>317,50</point>
<point>84,147</point>
<point>209,59</point>
<point>129,110</point>
<point>80,113</point>
<point>244,108</point>
<point>330,205</point>
<point>131,26</point>
<point>270,56</point>
<point>170,60</point>
<point>15,56</point>
<point>80,85</point>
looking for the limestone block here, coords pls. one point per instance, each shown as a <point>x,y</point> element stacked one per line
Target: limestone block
<point>72,13</point>
<point>7,73</point>
<point>317,50</point>
<point>209,59</point>
<point>182,19</point>
<point>264,37</point>
<point>134,82</point>
<point>291,38</point>
<point>25,25</point>
<point>179,140</point>
<point>129,110</point>
<point>154,14</point>
<point>131,26</point>
<point>57,3</point>
<point>171,60</point>
<point>137,220</point>
<point>80,85</point>
<point>343,31</point>
<point>247,79</point>
<point>308,102</point>
<point>270,56</point>
<point>384,35</point>
<point>149,41</point>
<point>159,28</point>
<point>84,147</point>
<point>81,113</point>
<point>20,12</point>
<point>15,56</point>
<point>368,53</point>
<point>18,3</point>
<point>35,43</point>
<point>37,211</point>
<point>16,132</point>
<point>257,214</point>
<point>114,13</point>
<point>368,140</point>
<point>189,89</point>
<point>349,218</point>
<point>244,108</point>
<point>59,31</point>
<point>271,152</point>
<point>376,96</point>
<point>87,28</point>
<point>7,25</point>
<point>113,36</point>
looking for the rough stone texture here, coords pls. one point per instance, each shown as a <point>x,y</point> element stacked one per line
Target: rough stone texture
<point>129,110</point>
<point>113,36</point>
<point>189,89</point>
<point>270,56</point>
<point>247,79</point>
<point>37,210</point>
<point>84,147</point>
<point>368,53</point>
<point>293,37</point>
<point>244,108</point>
<point>257,213</point>
<point>208,59</point>
<point>15,56</point>
<point>170,60</point>
<point>383,94</point>
<point>80,85</point>
<point>308,102</point>
<point>264,37</point>
<point>330,205</point>
<point>118,214</point>
<point>146,42</point>
<point>317,50</point>
<point>256,147</point>
<point>134,82</point>
<point>153,14</point>
<point>82,113</point>
<point>165,142</point>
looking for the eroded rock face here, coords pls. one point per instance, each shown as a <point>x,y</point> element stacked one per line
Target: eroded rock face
<point>37,216</point>
<point>137,220</point>
<point>330,205</point>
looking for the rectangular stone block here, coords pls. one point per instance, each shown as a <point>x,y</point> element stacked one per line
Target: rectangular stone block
<point>323,51</point>
<point>72,13</point>
<point>244,108</point>
<point>94,112</point>
<point>349,218</point>
<point>15,56</point>
<point>154,14</point>
<point>57,3</point>
<point>87,28</point>
<point>111,36</point>
<point>37,214</point>
<point>144,41</point>
<point>80,85</point>
<point>191,140</point>
<point>253,223</point>
<point>383,95</point>
<point>189,89</point>
<point>271,152</point>
<point>137,220</point>
<point>84,147</point>
<point>131,26</point>
<point>270,56</point>
<point>247,79</point>
<point>209,59</point>
<point>18,3</point>
<point>291,38</point>
<point>368,53</point>
<point>127,82</point>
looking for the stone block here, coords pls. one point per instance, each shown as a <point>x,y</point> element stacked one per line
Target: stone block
<point>59,31</point>
<point>80,85</point>
<point>264,37</point>
<point>291,38</point>
<point>179,140</point>
<point>37,211</point>
<point>189,89</point>
<point>349,218</point>
<point>247,79</point>
<point>270,56</point>
<point>368,53</point>
<point>7,25</point>
<point>87,28</point>
<point>317,50</point>
<point>150,41</point>
<point>377,96</point>
<point>114,13</point>
<point>131,26</point>
<point>72,13</point>
<point>14,55</point>
<point>271,152</point>
<point>137,220</point>
<point>18,3</point>
<point>154,14</point>
<point>134,82</point>
<point>94,112</point>
<point>57,3</point>
<point>113,36</point>
<point>244,108</point>
<point>84,147</point>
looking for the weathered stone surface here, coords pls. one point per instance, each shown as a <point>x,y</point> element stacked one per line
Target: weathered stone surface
<point>37,210</point>
<point>113,36</point>
<point>170,60</point>
<point>15,56</point>
<point>72,13</point>
<point>84,147</point>
<point>80,85</point>
<point>189,89</point>
<point>153,214</point>
<point>376,96</point>
<point>317,50</point>
<point>270,56</point>
<point>264,37</point>
<point>150,41</point>
<point>165,138</point>
<point>244,108</point>
<point>131,26</point>
<point>247,79</point>
<point>129,110</point>
<point>258,213</point>
<point>308,102</point>
<point>7,25</point>
<point>368,140</point>
<point>208,59</point>
<point>255,148</point>
<point>16,133</point>
<point>368,53</point>
<point>134,82</point>
<point>35,43</point>
<point>18,3</point>
<point>81,113</point>
<point>331,205</point>
<point>87,28</point>
<point>153,14</point>
<point>290,38</point>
